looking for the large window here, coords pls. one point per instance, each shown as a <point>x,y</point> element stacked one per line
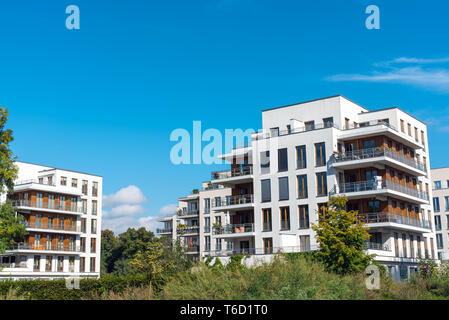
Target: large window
<point>436,204</point>
<point>446,203</point>
<point>303,216</point>
<point>328,122</point>
<point>37,263</point>
<point>282,160</point>
<point>301,162</point>
<point>60,263</point>
<point>320,154</point>
<point>94,207</point>
<point>266,219</point>
<point>265,162</point>
<point>268,245</point>
<point>321,182</point>
<point>92,264</point>
<point>283,188</point>
<point>310,125</point>
<point>94,189</point>
<point>207,205</point>
<point>302,186</point>
<point>93,245</point>
<point>93,226</point>
<point>84,187</point>
<point>439,241</point>
<point>207,243</point>
<point>285,218</point>
<point>304,243</point>
<point>437,222</point>
<point>437,185</point>
<point>266,190</point>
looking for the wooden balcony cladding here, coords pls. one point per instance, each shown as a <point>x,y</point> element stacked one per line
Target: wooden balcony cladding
<point>55,241</point>
<point>42,200</point>
<point>51,221</point>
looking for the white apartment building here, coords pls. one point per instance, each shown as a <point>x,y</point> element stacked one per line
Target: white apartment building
<point>310,151</point>
<point>62,215</point>
<point>194,222</point>
<point>440,186</point>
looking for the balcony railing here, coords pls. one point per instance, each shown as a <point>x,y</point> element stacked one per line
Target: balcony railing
<point>169,230</point>
<point>22,182</point>
<point>46,205</point>
<point>185,230</point>
<point>236,172</point>
<point>234,200</point>
<point>377,246</point>
<point>193,248</point>
<point>261,251</point>
<point>234,228</point>
<point>392,217</point>
<point>28,246</point>
<point>54,226</point>
<point>379,152</point>
<point>372,185</point>
<point>188,212</point>
<point>267,135</point>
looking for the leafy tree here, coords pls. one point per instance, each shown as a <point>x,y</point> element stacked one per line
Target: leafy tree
<point>108,243</point>
<point>341,236</point>
<point>11,229</point>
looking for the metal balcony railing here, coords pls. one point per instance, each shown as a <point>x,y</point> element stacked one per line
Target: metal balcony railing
<point>169,230</point>
<point>266,135</point>
<point>379,152</point>
<point>261,251</point>
<point>193,248</point>
<point>22,182</point>
<point>189,229</point>
<point>236,172</point>
<point>234,200</point>
<point>54,226</point>
<point>377,246</point>
<point>371,186</point>
<point>28,246</point>
<point>188,212</point>
<point>46,205</point>
<point>234,228</point>
<point>378,217</point>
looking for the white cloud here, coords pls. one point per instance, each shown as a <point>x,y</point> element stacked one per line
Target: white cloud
<point>405,60</point>
<point>124,210</point>
<point>128,195</point>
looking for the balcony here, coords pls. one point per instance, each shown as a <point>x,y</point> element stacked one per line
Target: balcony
<point>377,246</point>
<point>233,176</point>
<point>374,156</point>
<point>188,212</point>
<point>390,219</point>
<point>234,230</point>
<point>267,135</point>
<point>262,251</point>
<point>45,206</point>
<point>44,248</point>
<point>168,230</point>
<point>366,189</point>
<point>52,227</point>
<point>192,249</point>
<point>187,230</point>
<point>234,202</point>
<point>50,187</point>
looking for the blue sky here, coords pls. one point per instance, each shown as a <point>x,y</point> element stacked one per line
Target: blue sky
<point>105,98</point>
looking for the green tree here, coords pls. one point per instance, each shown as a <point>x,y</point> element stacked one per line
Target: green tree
<point>108,243</point>
<point>341,236</point>
<point>11,228</point>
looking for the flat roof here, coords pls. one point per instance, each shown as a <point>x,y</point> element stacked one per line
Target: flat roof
<point>384,109</point>
<point>308,101</point>
<point>54,168</point>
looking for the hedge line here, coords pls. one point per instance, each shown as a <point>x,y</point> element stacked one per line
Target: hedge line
<point>57,290</point>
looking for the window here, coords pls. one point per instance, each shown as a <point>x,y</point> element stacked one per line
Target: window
<point>82,264</point>
<point>266,219</point>
<point>60,263</point>
<point>396,244</point>
<point>328,122</point>
<point>404,245</point>
<point>93,245</point>
<point>282,160</point>
<point>83,225</point>
<point>437,185</point>
<point>320,154</point>
<point>94,189</point>
<point>83,244</point>
<point>304,243</point>
<point>302,186</point>
<point>84,187</point>
<point>423,141</point>
<point>321,179</point>
<point>346,123</point>
<point>93,226</point>
<point>63,181</point>
<point>439,241</point>
<point>85,206</point>
<point>48,260</point>
<point>416,134</point>
<point>412,247</point>
<point>402,126</point>
<point>436,204</point>
<point>268,245</point>
<point>207,224</point>
<point>217,201</point>
<point>310,125</point>
<point>289,129</point>
<point>92,264</point>
<point>285,218</point>
<point>74,182</point>
<point>303,216</point>
<point>283,188</point>
<point>447,221</point>
<point>37,263</point>
<point>301,162</point>
<point>207,205</point>
<point>265,162</point>
<point>266,190</point>
<point>218,244</point>
<point>71,264</point>
<point>51,201</point>
<point>437,222</point>
<point>418,245</point>
<point>274,132</point>
<point>207,243</point>
<point>409,129</point>
<point>94,207</point>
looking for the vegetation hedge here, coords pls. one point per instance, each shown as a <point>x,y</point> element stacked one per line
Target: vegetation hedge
<point>57,290</point>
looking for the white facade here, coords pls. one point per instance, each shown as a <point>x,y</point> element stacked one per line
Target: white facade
<point>440,186</point>
<point>62,213</point>
<point>378,159</point>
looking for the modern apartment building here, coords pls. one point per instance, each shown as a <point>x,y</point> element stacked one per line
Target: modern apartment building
<point>309,151</point>
<point>440,186</point>
<point>62,215</point>
<point>194,222</point>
